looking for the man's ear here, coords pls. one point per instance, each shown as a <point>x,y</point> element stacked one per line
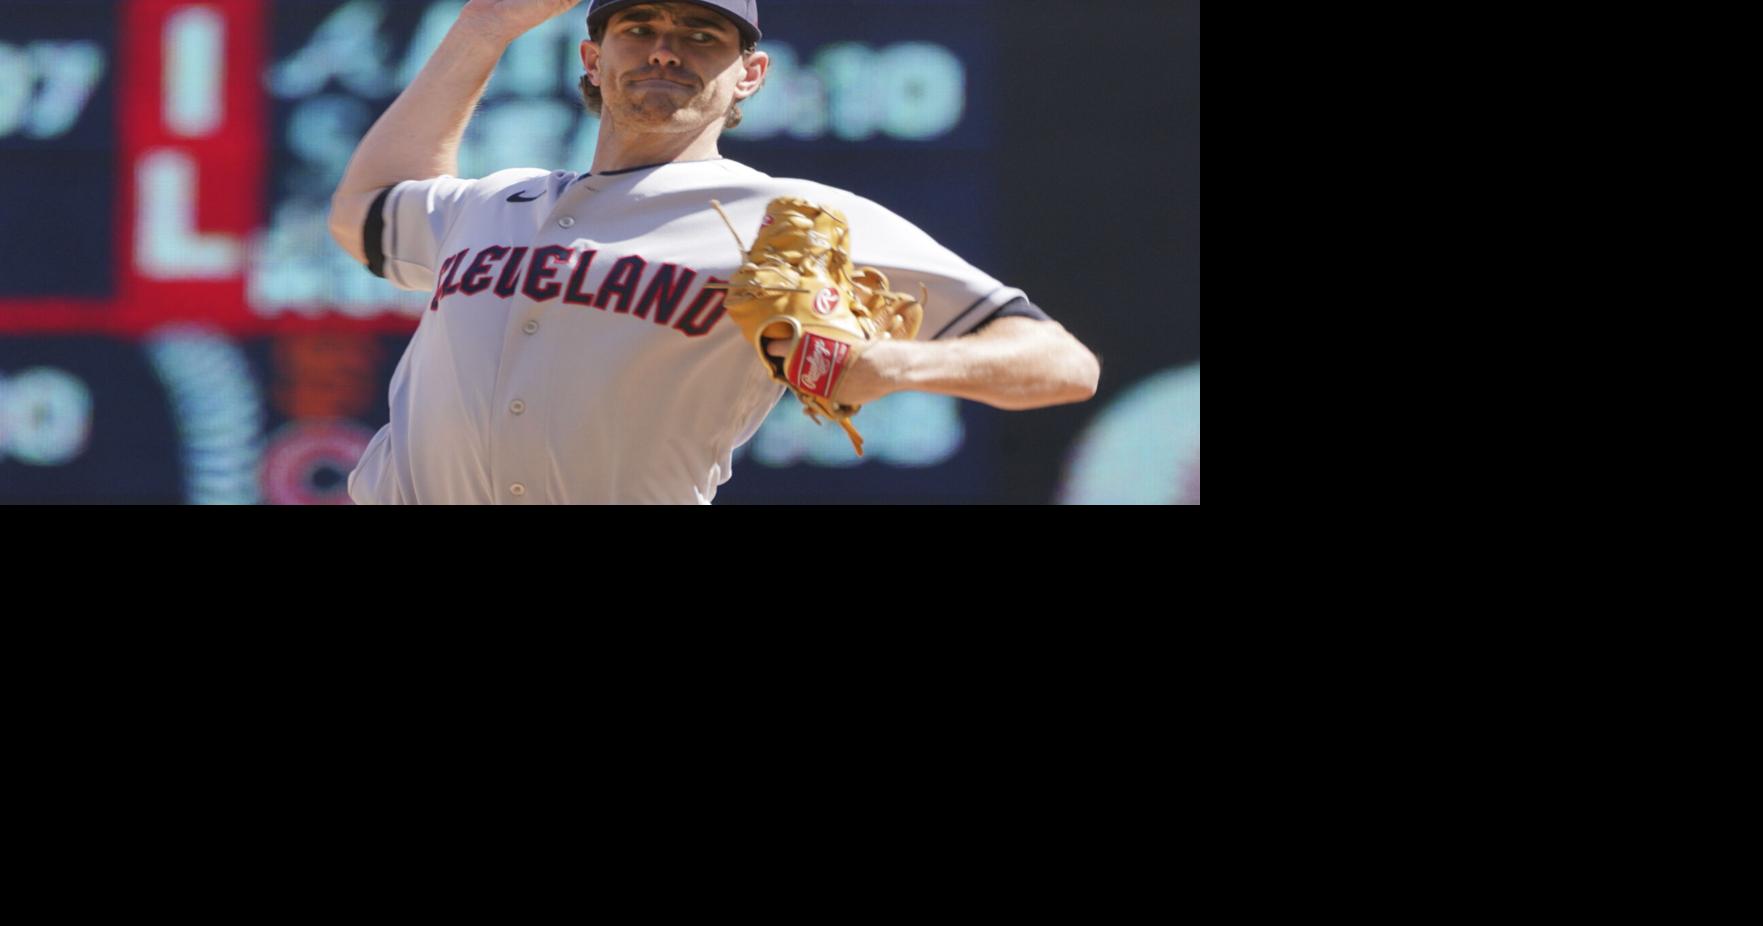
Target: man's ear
<point>758,64</point>
<point>591,61</point>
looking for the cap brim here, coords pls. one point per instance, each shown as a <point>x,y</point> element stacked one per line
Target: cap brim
<point>600,14</point>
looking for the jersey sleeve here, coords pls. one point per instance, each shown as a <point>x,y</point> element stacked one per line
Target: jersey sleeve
<point>960,295</point>
<point>408,225</point>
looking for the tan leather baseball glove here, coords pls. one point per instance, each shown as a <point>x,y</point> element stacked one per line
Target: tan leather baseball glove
<point>797,285</point>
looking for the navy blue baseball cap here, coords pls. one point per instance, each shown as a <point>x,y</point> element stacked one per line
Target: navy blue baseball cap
<point>744,13</point>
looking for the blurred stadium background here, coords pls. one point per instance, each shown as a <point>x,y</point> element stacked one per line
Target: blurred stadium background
<point>177,327</point>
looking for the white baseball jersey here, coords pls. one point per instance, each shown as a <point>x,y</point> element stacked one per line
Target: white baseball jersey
<point>571,353</point>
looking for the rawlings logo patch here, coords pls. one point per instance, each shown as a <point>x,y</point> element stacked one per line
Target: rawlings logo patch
<point>826,301</point>
<point>818,363</point>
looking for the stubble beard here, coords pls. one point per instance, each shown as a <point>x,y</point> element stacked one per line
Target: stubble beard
<point>661,110</point>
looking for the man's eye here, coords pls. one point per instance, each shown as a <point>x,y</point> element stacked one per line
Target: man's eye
<point>703,37</point>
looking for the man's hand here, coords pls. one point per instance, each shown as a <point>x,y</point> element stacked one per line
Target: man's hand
<point>510,19</point>
<point>868,378</point>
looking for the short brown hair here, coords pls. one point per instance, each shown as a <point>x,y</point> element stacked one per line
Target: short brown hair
<point>591,94</point>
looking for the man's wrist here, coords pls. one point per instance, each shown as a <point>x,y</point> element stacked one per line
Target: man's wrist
<point>895,363</point>
<point>485,30</point>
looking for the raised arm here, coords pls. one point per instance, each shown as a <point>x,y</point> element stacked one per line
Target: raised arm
<point>417,137</point>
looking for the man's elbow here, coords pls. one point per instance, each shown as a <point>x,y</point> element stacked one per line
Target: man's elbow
<point>1079,369</point>
<point>1083,373</point>
<point>1069,376</point>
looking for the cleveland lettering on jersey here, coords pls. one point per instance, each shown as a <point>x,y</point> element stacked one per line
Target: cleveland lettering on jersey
<point>705,311</point>
<point>448,287</point>
<point>541,285</point>
<point>575,294</point>
<point>620,283</point>
<point>506,284</point>
<point>477,279</point>
<point>617,292</point>
<point>664,294</point>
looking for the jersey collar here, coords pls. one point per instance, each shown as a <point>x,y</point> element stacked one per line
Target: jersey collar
<point>632,170</point>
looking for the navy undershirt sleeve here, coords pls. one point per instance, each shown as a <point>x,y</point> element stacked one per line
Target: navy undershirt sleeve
<point>1020,306</point>
<point>373,233</point>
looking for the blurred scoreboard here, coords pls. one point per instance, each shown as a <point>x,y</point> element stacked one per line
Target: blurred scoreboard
<point>58,129</point>
<point>176,324</point>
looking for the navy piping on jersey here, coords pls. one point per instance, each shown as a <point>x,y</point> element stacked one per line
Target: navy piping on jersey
<point>1019,307</point>
<point>370,235</point>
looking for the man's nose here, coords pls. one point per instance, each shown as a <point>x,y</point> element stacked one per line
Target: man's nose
<point>663,54</point>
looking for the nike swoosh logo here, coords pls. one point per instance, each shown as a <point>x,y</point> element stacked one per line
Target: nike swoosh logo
<point>516,198</point>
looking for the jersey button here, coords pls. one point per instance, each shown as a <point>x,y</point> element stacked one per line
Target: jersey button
<point>566,222</point>
<point>530,326</point>
<point>517,489</point>
<point>517,406</point>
